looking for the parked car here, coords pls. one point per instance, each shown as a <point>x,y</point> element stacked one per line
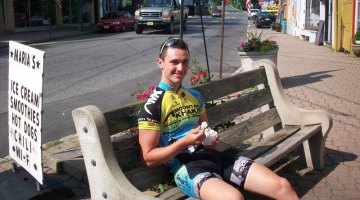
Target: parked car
<point>116,21</point>
<point>254,13</point>
<point>264,19</point>
<point>216,13</point>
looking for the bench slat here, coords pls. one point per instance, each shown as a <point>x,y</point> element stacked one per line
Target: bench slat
<point>122,119</point>
<point>290,144</point>
<point>127,152</point>
<point>227,111</point>
<point>247,129</point>
<point>223,87</point>
<point>144,178</point>
<point>174,194</point>
<point>264,145</point>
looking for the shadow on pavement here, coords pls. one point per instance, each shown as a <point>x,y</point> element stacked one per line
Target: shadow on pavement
<point>21,185</point>
<point>294,81</point>
<point>304,179</point>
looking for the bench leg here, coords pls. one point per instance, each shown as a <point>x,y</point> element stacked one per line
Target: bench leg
<point>314,151</point>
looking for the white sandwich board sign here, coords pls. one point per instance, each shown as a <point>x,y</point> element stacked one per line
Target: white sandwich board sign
<point>25,107</point>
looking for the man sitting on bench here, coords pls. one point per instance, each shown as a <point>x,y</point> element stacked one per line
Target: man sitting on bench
<point>170,133</point>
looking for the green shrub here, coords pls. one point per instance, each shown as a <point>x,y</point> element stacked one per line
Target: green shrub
<point>357,34</point>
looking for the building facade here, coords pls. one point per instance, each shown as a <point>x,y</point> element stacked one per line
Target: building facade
<point>28,15</point>
<point>338,21</point>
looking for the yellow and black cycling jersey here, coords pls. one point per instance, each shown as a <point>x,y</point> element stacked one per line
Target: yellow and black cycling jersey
<point>172,113</point>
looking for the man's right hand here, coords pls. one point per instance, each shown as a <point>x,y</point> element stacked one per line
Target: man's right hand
<point>194,136</point>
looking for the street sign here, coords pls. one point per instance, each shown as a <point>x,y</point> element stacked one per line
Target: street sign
<point>25,107</point>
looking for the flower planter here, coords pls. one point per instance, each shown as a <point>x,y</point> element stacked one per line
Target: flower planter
<point>277,27</point>
<point>273,26</point>
<point>248,58</point>
<point>355,48</point>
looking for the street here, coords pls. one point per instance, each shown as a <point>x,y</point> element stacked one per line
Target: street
<point>104,69</point>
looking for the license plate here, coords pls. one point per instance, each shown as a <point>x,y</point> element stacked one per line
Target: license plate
<point>106,27</point>
<point>150,23</point>
<point>267,19</point>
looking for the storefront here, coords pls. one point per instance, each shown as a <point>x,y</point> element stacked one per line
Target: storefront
<point>22,15</point>
<point>71,11</point>
<point>33,13</point>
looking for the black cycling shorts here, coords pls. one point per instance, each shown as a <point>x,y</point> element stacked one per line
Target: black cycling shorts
<point>205,164</point>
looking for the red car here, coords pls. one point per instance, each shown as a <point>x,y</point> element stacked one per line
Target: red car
<point>216,13</point>
<point>116,21</point>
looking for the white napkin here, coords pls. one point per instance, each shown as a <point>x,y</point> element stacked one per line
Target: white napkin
<point>210,134</point>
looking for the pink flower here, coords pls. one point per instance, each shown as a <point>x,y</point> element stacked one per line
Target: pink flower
<point>139,96</point>
<point>194,79</point>
<point>143,92</point>
<point>242,44</point>
<point>202,73</point>
<point>152,87</point>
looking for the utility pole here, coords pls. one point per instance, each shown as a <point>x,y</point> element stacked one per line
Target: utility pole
<point>181,18</point>
<point>222,38</point>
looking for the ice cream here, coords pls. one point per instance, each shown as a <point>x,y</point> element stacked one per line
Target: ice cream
<point>209,133</point>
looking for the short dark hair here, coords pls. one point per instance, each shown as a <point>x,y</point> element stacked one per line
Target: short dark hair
<point>177,43</point>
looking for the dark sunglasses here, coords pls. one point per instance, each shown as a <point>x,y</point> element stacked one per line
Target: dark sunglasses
<point>178,42</point>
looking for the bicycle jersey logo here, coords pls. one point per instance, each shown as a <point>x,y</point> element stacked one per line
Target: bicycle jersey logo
<point>153,97</point>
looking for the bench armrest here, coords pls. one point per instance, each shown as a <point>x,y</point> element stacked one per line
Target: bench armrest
<point>106,179</point>
<point>289,113</point>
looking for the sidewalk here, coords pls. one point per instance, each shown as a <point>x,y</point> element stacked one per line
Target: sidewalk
<point>313,78</point>
<point>42,35</point>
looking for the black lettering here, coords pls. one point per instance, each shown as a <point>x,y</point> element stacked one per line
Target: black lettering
<point>33,61</point>
<point>30,131</point>
<point>16,55</point>
<point>27,159</point>
<point>14,87</point>
<point>15,136</point>
<point>16,120</point>
<point>18,152</point>
<point>30,96</point>
<point>23,58</point>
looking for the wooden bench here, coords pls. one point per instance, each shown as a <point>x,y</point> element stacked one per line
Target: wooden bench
<point>115,171</point>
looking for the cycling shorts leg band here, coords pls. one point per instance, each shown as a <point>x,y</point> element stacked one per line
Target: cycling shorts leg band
<point>240,170</point>
<point>191,186</point>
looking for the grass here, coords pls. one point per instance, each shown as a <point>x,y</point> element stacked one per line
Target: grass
<point>50,145</point>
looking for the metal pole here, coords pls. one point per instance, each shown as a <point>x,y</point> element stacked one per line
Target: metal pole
<point>38,186</point>
<point>181,18</point>
<point>13,167</point>
<point>202,28</point>
<point>222,38</point>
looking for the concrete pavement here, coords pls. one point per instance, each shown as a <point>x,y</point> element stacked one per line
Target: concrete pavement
<point>42,35</point>
<point>314,77</point>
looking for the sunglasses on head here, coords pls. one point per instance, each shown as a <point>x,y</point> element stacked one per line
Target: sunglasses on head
<point>178,42</point>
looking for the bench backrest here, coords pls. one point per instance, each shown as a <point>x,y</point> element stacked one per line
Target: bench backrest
<point>226,109</point>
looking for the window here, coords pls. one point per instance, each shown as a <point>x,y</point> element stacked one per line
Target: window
<point>312,14</point>
<point>32,13</point>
